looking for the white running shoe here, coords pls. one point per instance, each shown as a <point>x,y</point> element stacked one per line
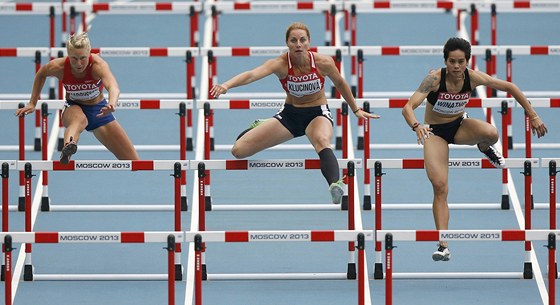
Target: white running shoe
<point>494,156</point>
<point>337,191</point>
<point>442,254</point>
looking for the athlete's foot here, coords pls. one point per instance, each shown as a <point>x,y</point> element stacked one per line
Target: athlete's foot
<point>68,150</point>
<point>494,156</point>
<point>442,254</point>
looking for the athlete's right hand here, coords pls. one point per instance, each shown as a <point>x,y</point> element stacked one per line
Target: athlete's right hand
<point>422,134</point>
<point>28,109</point>
<point>217,90</point>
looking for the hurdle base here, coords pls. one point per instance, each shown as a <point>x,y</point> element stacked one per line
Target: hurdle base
<point>527,270</point>
<point>510,143</point>
<point>367,203</point>
<point>212,144</point>
<point>505,202</point>
<point>344,203</point>
<point>190,145</point>
<point>3,273</point>
<point>45,204</point>
<point>28,273</point>
<point>351,274</point>
<point>37,144</point>
<point>21,204</point>
<point>378,271</point>
<point>208,203</point>
<point>204,273</point>
<point>360,145</point>
<point>184,204</point>
<point>178,272</point>
<point>338,143</point>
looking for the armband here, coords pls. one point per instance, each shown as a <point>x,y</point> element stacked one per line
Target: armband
<point>415,125</point>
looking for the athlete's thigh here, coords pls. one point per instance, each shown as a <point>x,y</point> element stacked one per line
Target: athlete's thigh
<point>113,136</point>
<point>472,130</point>
<point>73,114</point>
<point>436,159</point>
<point>267,134</point>
<point>319,131</point>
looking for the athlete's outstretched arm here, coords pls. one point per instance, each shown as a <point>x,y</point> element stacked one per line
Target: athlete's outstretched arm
<point>269,67</point>
<point>480,78</point>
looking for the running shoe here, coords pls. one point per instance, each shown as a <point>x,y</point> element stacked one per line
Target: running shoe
<point>442,254</point>
<point>337,191</point>
<point>257,122</point>
<point>494,156</point>
<point>68,150</point>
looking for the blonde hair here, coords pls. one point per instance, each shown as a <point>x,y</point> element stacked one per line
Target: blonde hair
<point>78,41</point>
<point>297,26</point>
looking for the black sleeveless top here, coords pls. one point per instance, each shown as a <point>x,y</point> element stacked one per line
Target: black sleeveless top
<point>445,102</point>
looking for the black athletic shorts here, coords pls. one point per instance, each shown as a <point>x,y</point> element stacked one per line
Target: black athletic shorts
<point>448,130</point>
<point>296,119</point>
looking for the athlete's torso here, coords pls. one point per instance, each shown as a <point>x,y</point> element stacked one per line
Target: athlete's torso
<point>83,89</point>
<point>448,103</point>
<point>305,84</point>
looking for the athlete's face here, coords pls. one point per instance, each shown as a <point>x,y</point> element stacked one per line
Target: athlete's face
<point>79,59</point>
<point>298,42</point>
<point>456,63</point>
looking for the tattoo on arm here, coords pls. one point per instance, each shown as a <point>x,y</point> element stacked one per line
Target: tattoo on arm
<point>426,85</point>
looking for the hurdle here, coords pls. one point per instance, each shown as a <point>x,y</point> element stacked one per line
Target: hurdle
<point>135,165</point>
<point>290,164</point>
<point>527,236</point>
<point>466,163</point>
<point>172,240</point>
<point>209,144</point>
<point>398,103</point>
<point>137,104</point>
<point>200,238</point>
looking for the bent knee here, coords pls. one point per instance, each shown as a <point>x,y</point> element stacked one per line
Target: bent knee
<point>239,153</point>
<point>490,134</point>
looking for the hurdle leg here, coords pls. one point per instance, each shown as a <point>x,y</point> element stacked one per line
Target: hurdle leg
<point>389,269</point>
<point>378,267</point>
<point>28,267</point>
<point>362,269</point>
<point>351,272</point>
<point>551,268</point>
<point>198,269</point>
<point>45,201</point>
<point>527,266</point>
<point>171,269</point>
<point>8,263</point>
<point>178,177</point>
<point>5,218</point>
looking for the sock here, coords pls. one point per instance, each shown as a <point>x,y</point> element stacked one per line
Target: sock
<point>329,165</point>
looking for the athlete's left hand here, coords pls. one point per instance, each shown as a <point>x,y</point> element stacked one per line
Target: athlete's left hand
<point>366,115</point>
<point>538,127</point>
<point>106,110</point>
